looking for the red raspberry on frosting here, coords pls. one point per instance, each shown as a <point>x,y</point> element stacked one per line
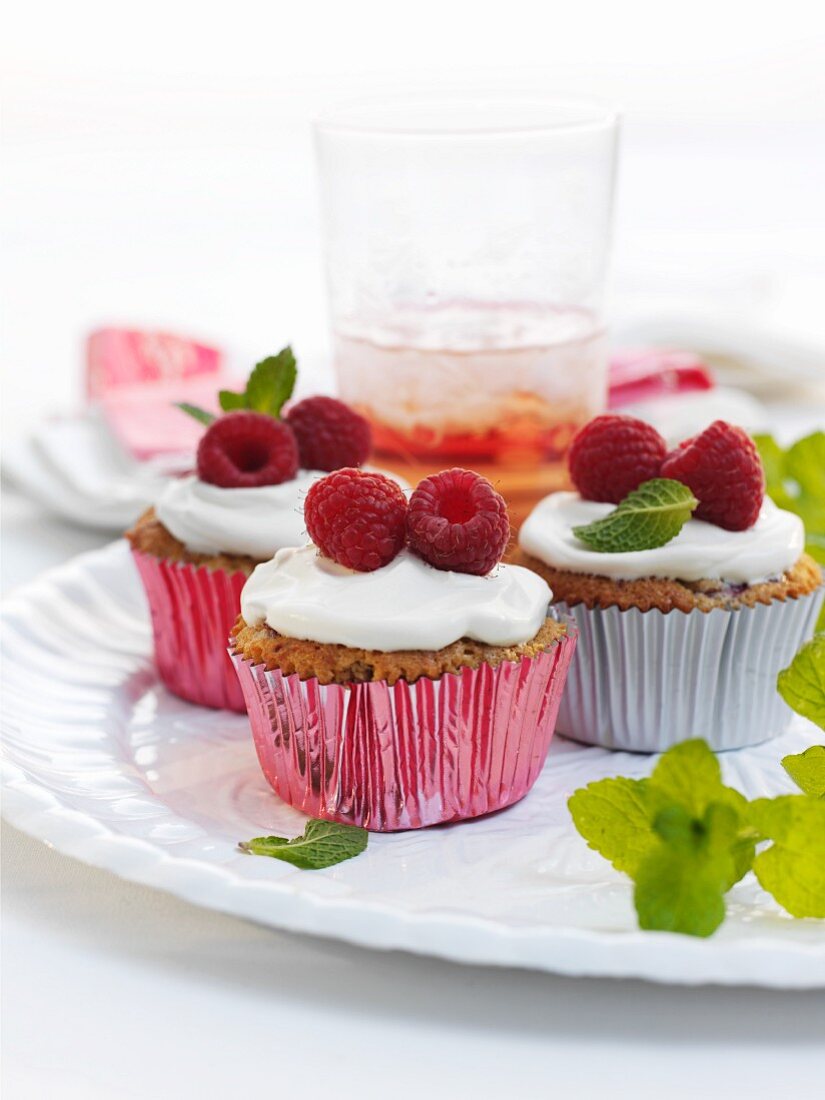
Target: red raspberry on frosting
<point>612,455</point>
<point>244,449</point>
<point>456,520</point>
<point>723,469</point>
<point>330,434</point>
<point>357,519</point>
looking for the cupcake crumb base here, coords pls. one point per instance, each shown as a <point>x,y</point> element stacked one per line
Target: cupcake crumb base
<point>339,664</point>
<point>666,594</point>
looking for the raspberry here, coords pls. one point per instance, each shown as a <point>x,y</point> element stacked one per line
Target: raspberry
<point>723,468</point>
<point>243,449</point>
<point>612,455</point>
<point>356,518</point>
<point>329,433</point>
<point>456,520</point>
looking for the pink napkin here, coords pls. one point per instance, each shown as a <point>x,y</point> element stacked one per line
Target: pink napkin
<point>136,377</point>
<point>641,374</point>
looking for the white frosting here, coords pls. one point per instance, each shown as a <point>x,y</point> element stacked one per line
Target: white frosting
<point>210,520</point>
<point>405,605</point>
<point>700,550</point>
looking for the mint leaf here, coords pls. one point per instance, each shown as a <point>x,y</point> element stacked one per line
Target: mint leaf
<point>773,463</point>
<point>612,816</point>
<point>805,467</point>
<point>681,884</point>
<point>681,835</point>
<point>323,844</point>
<point>792,869</point>
<point>192,410</point>
<point>269,387</point>
<point>807,770</point>
<point>271,383</point>
<point>802,683</point>
<point>688,774</point>
<point>795,480</point>
<point>229,400</point>
<point>648,517</point>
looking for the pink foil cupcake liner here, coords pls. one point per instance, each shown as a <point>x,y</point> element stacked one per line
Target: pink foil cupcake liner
<point>193,610</point>
<point>404,756</point>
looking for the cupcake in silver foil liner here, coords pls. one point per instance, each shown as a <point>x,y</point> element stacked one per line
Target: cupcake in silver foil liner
<point>642,681</point>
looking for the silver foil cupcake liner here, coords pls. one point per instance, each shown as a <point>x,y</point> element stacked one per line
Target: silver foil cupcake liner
<point>642,681</point>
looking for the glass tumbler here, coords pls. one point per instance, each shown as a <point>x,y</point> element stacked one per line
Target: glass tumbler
<point>467,240</point>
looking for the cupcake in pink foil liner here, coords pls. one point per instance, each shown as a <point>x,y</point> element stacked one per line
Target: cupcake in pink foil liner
<point>208,529</point>
<point>406,755</point>
<point>193,608</point>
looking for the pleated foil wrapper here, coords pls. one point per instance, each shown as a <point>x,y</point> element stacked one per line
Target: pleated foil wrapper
<point>403,756</point>
<point>193,610</point>
<point>643,681</point>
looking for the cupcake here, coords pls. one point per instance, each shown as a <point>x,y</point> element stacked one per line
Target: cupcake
<point>395,673</point>
<point>197,546</point>
<point>684,619</point>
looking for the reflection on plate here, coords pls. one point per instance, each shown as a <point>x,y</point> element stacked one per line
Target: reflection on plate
<point>101,763</point>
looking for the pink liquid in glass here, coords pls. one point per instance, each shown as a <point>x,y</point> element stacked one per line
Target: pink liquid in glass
<point>498,389</point>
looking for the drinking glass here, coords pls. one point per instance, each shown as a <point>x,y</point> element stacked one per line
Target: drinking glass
<point>467,240</point>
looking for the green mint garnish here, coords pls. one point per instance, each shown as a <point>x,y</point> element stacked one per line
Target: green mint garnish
<point>807,770</point>
<point>269,387</point>
<point>793,868</point>
<point>681,885</point>
<point>648,517</point>
<point>685,838</point>
<point>323,844</point>
<point>795,481</point>
<point>199,414</point>
<point>802,683</point>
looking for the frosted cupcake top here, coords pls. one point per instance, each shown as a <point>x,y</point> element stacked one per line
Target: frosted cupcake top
<point>406,604</point>
<point>256,462</point>
<point>209,519</point>
<point>700,551</point>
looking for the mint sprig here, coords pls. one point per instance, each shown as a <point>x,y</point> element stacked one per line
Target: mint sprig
<point>802,683</point>
<point>269,387</point>
<point>685,838</point>
<point>267,390</point>
<point>648,517</point>
<point>323,844</point>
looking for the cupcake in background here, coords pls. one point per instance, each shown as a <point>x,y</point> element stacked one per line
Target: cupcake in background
<point>690,589</point>
<point>206,533</point>
<point>396,674</point>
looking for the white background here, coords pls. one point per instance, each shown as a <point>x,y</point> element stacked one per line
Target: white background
<point>158,169</point>
<point>158,160</point>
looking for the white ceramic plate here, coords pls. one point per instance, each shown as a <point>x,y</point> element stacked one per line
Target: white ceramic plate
<point>102,764</point>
